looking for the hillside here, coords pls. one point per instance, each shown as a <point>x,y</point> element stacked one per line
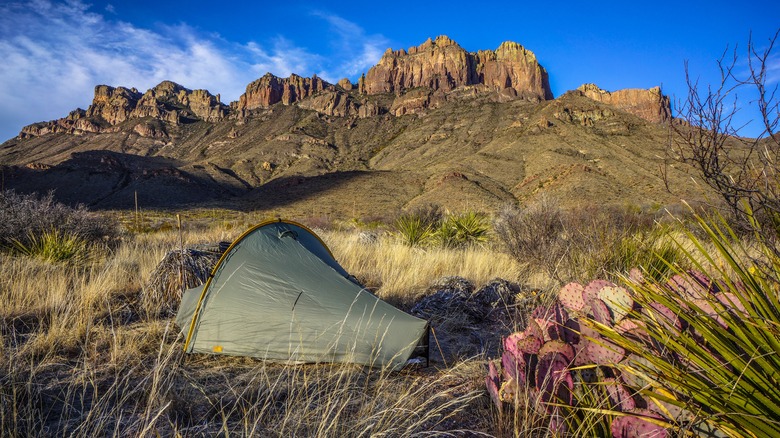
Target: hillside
<point>431,124</point>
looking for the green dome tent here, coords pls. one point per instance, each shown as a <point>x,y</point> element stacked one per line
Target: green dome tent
<point>278,294</point>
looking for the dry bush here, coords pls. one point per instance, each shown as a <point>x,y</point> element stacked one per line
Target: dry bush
<point>585,243</point>
<point>23,217</point>
<point>177,271</point>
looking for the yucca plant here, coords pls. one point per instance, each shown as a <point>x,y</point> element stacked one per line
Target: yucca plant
<point>53,246</point>
<point>709,350</point>
<point>414,230</point>
<point>463,229</point>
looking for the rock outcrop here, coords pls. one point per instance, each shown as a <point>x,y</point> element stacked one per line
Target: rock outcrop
<point>442,64</point>
<point>270,89</point>
<point>332,103</point>
<point>113,105</point>
<point>649,104</point>
<point>168,101</point>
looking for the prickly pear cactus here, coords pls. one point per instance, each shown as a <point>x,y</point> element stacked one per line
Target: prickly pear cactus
<point>560,346</point>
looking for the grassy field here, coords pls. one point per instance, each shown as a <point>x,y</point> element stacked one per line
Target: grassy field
<point>84,354</point>
<point>81,357</point>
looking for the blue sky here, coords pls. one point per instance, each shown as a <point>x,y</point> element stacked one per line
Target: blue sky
<point>54,52</point>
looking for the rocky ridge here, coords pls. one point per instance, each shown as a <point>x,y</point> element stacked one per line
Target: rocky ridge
<point>649,104</point>
<point>167,102</point>
<point>414,80</point>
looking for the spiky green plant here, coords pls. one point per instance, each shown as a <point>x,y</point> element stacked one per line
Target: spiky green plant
<point>463,229</point>
<point>54,246</point>
<point>722,359</point>
<point>414,230</point>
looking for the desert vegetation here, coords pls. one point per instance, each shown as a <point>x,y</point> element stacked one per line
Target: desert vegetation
<point>87,350</point>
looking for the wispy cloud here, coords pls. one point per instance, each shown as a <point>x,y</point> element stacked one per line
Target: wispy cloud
<point>364,49</point>
<point>55,53</point>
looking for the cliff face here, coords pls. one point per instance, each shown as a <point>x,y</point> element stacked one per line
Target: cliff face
<point>648,104</point>
<point>168,101</point>
<point>270,89</point>
<point>441,64</point>
<point>402,82</point>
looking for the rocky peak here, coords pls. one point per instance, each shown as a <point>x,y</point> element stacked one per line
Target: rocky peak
<point>113,105</point>
<point>649,104</point>
<point>270,89</point>
<point>168,101</point>
<point>442,64</point>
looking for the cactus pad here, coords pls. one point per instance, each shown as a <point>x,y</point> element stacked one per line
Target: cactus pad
<point>706,306</point>
<point>571,297</point>
<point>601,312</point>
<point>665,316</point>
<point>510,343</point>
<point>571,332</point>
<point>635,426</point>
<point>513,366</point>
<point>553,379</point>
<point>529,344</point>
<point>492,382</point>
<point>603,352</point>
<point>559,347</point>
<point>731,302</point>
<point>618,300</point>
<point>591,290</point>
<point>619,397</point>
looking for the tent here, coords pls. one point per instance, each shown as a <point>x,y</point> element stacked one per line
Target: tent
<point>278,294</point>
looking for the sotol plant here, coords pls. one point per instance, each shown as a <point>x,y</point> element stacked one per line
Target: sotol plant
<point>691,354</point>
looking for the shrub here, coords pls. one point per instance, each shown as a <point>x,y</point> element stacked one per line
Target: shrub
<point>462,229</point>
<point>418,227</point>
<point>31,221</point>
<point>585,243</point>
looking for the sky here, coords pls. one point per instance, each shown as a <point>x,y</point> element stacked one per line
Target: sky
<point>53,53</point>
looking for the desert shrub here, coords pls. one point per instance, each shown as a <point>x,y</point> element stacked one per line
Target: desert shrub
<point>462,229</point>
<point>533,235</point>
<point>31,220</point>
<point>53,246</point>
<point>585,243</point>
<point>419,226</point>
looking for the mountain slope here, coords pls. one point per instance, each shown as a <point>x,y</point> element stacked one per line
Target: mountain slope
<point>461,130</point>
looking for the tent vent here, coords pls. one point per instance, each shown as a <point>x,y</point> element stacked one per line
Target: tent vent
<point>289,233</point>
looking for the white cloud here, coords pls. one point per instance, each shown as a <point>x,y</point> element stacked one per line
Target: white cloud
<point>53,55</point>
<point>352,39</point>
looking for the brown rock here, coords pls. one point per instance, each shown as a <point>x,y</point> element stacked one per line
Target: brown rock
<point>170,101</point>
<point>113,105</point>
<point>441,64</point>
<point>332,103</point>
<point>648,104</point>
<point>368,109</point>
<point>512,68</point>
<point>270,89</point>
<point>346,84</point>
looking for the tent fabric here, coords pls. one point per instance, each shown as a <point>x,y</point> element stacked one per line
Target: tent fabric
<point>278,294</point>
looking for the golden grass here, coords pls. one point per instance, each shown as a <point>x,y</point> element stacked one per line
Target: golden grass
<point>401,272</point>
<point>79,357</point>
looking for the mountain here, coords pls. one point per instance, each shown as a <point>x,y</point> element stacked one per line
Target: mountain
<point>431,124</point>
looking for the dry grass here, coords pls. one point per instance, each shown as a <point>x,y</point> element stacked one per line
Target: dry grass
<point>400,273</point>
<point>80,357</point>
